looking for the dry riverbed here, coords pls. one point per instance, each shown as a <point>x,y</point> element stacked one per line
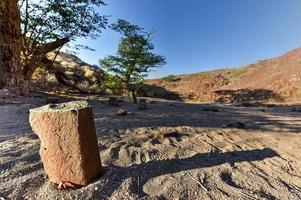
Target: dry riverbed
<point>172,150</point>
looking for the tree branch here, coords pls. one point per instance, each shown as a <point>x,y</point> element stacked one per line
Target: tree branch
<point>60,76</point>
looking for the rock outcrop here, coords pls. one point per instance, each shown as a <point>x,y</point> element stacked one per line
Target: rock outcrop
<point>69,72</point>
<point>69,149</point>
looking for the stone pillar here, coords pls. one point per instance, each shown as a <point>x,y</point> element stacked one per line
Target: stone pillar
<point>69,148</point>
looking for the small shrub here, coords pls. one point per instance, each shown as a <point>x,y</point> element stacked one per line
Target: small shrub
<point>170,78</point>
<point>237,73</point>
<point>112,85</point>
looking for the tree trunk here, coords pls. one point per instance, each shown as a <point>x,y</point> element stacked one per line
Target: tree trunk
<point>134,96</point>
<point>10,45</point>
<point>39,52</point>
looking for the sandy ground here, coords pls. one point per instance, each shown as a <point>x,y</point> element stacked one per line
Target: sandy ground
<point>170,151</point>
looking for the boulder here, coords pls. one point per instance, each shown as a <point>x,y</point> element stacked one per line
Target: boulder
<point>69,149</point>
<point>142,104</point>
<point>121,112</point>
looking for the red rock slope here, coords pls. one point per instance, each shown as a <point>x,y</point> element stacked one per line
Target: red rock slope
<point>278,78</point>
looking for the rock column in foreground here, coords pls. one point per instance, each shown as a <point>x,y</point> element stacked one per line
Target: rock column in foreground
<point>69,149</point>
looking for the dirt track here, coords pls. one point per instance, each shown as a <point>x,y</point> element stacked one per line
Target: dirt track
<point>170,151</point>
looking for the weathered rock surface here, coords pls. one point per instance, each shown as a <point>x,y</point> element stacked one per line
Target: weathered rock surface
<point>69,149</point>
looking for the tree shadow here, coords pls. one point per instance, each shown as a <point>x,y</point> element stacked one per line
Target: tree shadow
<point>220,96</point>
<point>243,95</point>
<point>276,118</point>
<point>157,92</point>
<point>114,176</point>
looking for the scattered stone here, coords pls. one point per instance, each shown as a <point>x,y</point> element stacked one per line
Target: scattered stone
<point>239,125</point>
<point>113,101</point>
<point>128,131</point>
<point>69,149</point>
<point>142,104</point>
<point>210,109</point>
<point>121,112</point>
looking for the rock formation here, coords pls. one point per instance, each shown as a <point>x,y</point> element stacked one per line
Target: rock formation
<point>121,112</point>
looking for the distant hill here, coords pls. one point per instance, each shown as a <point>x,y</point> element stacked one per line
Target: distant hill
<point>273,79</point>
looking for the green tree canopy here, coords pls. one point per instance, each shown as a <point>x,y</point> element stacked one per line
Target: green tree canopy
<point>135,58</point>
<point>51,24</point>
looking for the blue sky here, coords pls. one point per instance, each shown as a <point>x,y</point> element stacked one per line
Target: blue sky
<point>201,35</point>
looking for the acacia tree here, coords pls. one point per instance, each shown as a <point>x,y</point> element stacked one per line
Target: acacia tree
<point>10,67</point>
<point>134,59</point>
<point>48,25</point>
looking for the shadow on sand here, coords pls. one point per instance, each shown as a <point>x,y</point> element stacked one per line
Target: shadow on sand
<point>157,92</point>
<point>243,95</point>
<point>141,173</point>
<point>249,108</point>
<point>264,117</point>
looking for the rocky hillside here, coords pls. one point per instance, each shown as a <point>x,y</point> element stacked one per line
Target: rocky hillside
<point>273,79</point>
<point>81,75</point>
